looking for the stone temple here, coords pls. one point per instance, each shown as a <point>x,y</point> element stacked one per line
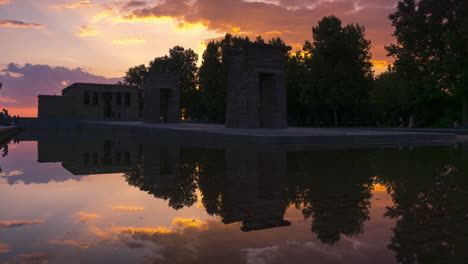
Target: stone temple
<point>256,95</point>
<point>91,101</point>
<point>162,98</point>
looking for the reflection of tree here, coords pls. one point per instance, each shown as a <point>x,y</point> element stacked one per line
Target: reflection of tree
<point>429,188</point>
<point>211,181</point>
<point>334,188</point>
<point>167,173</point>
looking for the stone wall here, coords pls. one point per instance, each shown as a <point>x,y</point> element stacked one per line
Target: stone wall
<point>256,96</point>
<point>162,89</point>
<point>53,106</point>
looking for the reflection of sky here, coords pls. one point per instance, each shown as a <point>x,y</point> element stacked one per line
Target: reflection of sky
<point>101,219</point>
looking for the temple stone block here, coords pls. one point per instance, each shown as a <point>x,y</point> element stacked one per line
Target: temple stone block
<point>256,95</point>
<point>162,98</point>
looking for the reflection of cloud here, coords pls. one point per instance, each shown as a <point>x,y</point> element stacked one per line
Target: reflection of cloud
<point>128,208</point>
<point>72,5</point>
<point>84,217</point>
<point>13,172</point>
<point>87,31</point>
<point>19,24</point>
<point>261,255</point>
<point>37,258</point>
<point>4,248</point>
<point>379,188</point>
<point>70,243</point>
<point>129,41</point>
<point>6,224</point>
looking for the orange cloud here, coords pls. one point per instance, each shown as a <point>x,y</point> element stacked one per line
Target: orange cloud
<point>380,63</point>
<point>19,24</point>
<point>70,243</point>
<point>6,99</point>
<point>38,258</point>
<point>23,111</point>
<point>4,248</point>
<point>290,20</point>
<point>4,2</point>
<point>143,230</point>
<point>84,217</point>
<point>128,208</point>
<point>379,188</point>
<point>6,224</point>
<point>129,41</point>
<point>87,31</point>
<point>72,5</point>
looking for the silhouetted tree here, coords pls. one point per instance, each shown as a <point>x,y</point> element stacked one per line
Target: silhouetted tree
<point>136,76</point>
<point>213,77</point>
<point>183,62</point>
<point>431,54</point>
<point>389,95</point>
<point>340,68</point>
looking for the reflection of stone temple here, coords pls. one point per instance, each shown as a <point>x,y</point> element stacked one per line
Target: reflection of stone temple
<point>161,169</point>
<point>255,189</point>
<point>90,157</point>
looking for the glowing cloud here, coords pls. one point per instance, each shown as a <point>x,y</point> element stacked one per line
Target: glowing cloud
<point>84,217</point>
<point>4,248</point>
<point>72,5</point>
<point>128,208</point>
<point>70,243</point>
<point>6,224</point>
<point>5,99</point>
<point>129,41</point>
<point>13,172</point>
<point>380,63</point>
<point>4,2</point>
<point>19,24</point>
<point>87,31</point>
<point>40,258</point>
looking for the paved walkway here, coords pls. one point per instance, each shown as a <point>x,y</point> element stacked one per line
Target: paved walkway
<point>262,132</point>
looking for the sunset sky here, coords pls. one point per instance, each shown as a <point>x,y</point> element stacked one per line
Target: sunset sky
<point>48,44</point>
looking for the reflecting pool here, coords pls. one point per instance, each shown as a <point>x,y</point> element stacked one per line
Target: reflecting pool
<point>123,200</point>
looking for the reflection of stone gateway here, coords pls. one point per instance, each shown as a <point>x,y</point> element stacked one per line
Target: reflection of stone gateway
<point>256,95</point>
<point>162,98</point>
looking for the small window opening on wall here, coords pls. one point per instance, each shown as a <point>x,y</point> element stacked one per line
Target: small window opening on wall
<point>95,98</point>
<point>86,97</point>
<point>118,99</point>
<point>127,99</point>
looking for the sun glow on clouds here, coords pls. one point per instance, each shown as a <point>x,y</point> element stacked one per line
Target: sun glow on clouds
<point>4,248</point>
<point>4,2</point>
<point>87,31</point>
<point>72,5</point>
<point>19,24</point>
<point>18,223</point>
<point>84,217</point>
<point>129,41</point>
<point>70,243</point>
<point>128,208</point>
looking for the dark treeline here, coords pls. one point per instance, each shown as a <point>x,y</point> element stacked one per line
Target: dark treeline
<point>330,82</point>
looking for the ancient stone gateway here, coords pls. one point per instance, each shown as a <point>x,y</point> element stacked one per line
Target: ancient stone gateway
<point>162,98</point>
<point>256,95</point>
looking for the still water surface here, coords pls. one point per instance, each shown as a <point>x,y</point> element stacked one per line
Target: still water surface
<point>113,201</point>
